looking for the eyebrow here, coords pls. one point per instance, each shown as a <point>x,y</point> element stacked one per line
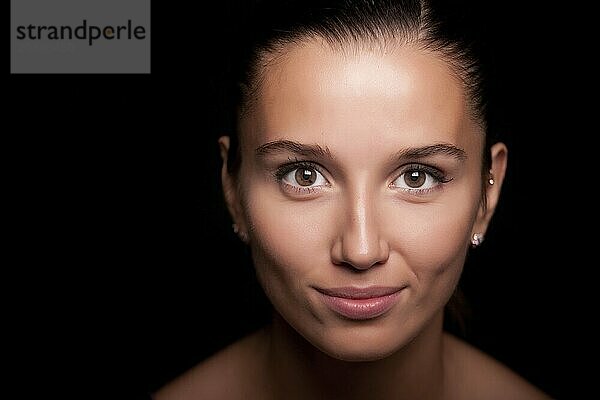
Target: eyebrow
<point>316,151</point>
<point>288,146</point>
<point>445,149</point>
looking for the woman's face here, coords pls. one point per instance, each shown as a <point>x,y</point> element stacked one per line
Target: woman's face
<point>359,188</point>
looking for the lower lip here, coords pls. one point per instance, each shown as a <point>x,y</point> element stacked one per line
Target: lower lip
<point>361,309</point>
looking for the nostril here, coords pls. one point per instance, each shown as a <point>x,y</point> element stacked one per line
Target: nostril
<point>365,260</point>
<point>359,244</point>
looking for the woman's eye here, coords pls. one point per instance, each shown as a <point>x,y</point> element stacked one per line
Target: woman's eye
<point>304,177</point>
<point>416,180</point>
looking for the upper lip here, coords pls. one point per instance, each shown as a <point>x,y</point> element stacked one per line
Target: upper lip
<point>355,293</point>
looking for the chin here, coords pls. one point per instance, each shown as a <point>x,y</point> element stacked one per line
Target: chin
<point>363,354</point>
<point>362,345</point>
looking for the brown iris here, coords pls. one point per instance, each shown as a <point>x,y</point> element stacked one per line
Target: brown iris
<point>414,179</point>
<point>306,176</point>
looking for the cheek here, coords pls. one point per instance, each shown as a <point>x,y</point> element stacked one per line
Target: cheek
<point>432,237</point>
<point>432,241</point>
<point>289,240</point>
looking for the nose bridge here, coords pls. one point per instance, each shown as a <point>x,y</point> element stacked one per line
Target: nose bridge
<point>362,245</point>
<point>361,216</point>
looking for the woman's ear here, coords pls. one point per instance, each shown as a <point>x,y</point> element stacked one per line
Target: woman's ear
<point>231,193</point>
<point>493,186</point>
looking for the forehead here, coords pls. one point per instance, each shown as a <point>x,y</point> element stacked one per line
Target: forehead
<point>402,96</point>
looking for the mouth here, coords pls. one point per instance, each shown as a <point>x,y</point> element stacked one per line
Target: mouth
<point>360,303</point>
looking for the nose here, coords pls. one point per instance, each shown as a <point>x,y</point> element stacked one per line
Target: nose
<point>360,244</point>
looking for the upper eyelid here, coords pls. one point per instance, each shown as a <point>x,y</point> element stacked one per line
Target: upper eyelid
<point>300,163</point>
<point>420,167</point>
<point>436,173</point>
<point>287,167</point>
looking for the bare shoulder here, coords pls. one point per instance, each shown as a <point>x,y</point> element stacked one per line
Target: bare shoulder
<point>475,375</point>
<point>226,375</point>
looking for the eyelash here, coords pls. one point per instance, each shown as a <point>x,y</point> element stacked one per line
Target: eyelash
<point>435,173</point>
<point>292,165</point>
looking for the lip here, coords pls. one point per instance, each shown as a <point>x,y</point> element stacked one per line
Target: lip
<point>360,303</point>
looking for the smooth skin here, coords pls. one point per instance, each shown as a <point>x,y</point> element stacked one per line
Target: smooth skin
<point>361,121</point>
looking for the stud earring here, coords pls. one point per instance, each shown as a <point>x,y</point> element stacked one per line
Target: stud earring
<point>491,180</point>
<point>242,235</point>
<point>476,240</point>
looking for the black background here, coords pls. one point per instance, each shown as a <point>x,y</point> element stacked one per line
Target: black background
<point>123,248</point>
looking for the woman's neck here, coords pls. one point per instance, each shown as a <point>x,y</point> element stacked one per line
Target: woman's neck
<point>298,370</point>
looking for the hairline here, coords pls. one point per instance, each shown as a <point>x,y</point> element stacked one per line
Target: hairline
<point>384,42</point>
